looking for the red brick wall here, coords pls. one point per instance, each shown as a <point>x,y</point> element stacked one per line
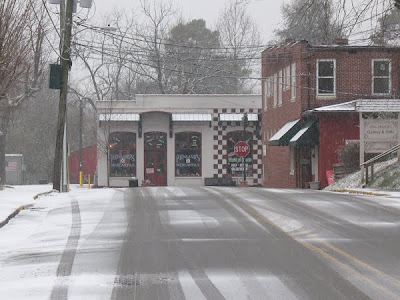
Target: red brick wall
<point>334,130</point>
<point>353,81</point>
<point>277,160</point>
<point>353,74</point>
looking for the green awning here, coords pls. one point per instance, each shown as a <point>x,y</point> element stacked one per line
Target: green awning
<point>306,136</point>
<point>283,136</point>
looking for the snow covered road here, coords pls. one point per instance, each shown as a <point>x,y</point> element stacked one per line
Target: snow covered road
<point>202,243</point>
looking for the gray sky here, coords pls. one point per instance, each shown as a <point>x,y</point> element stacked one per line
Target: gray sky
<point>266,13</point>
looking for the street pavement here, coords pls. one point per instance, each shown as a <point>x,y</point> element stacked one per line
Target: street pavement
<point>206,243</point>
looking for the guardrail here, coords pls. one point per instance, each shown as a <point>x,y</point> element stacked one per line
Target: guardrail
<point>370,163</point>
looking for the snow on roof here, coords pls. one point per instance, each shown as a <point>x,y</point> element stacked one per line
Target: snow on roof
<point>362,105</point>
<point>341,107</point>
<point>378,105</point>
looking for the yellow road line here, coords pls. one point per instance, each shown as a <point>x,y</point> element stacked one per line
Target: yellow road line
<point>360,262</point>
<point>262,219</point>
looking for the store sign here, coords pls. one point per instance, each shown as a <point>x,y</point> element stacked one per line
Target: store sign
<point>380,130</point>
<point>122,160</point>
<point>236,163</point>
<point>187,160</point>
<point>380,134</point>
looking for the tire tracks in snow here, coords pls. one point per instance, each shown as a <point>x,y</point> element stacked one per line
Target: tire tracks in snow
<point>64,269</point>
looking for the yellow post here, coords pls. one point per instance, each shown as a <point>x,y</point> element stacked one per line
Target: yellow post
<point>80,178</point>
<point>89,180</point>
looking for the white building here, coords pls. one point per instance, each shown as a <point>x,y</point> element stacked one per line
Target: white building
<point>178,139</point>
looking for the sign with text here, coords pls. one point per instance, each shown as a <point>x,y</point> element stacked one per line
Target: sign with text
<point>380,130</point>
<point>242,149</point>
<point>380,134</point>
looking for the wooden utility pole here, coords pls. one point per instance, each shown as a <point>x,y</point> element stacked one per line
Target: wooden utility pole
<point>62,108</point>
<point>245,120</point>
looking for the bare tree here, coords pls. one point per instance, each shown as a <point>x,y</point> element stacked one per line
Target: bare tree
<point>22,30</point>
<point>240,40</point>
<point>311,20</point>
<point>388,29</point>
<point>158,16</point>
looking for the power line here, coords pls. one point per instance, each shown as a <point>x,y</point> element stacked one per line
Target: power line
<point>44,33</point>
<point>253,78</point>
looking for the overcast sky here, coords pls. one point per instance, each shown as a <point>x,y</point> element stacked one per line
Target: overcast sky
<point>266,13</point>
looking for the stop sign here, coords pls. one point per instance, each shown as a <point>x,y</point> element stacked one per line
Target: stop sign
<point>241,149</point>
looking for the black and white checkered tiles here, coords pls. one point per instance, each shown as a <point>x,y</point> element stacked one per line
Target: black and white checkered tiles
<point>221,128</point>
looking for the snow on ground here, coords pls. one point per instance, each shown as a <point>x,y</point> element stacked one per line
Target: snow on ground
<point>12,197</point>
<point>32,243</point>
<point>352,181</point>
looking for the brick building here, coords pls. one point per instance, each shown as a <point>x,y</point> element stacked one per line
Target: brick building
<point>301,143</point>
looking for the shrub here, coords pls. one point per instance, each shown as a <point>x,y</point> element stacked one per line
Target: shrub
<point>349,156</point>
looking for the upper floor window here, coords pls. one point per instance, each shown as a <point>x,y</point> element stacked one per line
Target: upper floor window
<point>275,89</point>
<point>381,71</point>
<point>286,78</point>
<point>267,91</point>
<point>293,83</point>
<point>280,87</point>
<point>326,77</point>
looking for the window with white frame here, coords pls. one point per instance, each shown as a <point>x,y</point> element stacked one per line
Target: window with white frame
<point>275,84</point>
<point>286,78</point>
<point>266,93</point>
<point>280,87</point>
<point>326,77</point>
<point>381,73</point>
<point>293,83</point>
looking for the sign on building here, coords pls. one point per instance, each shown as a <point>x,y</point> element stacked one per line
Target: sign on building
<point>14,169</point>
<point>380,134</point>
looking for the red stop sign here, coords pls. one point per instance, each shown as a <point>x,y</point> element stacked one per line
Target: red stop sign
<point>241,149</point>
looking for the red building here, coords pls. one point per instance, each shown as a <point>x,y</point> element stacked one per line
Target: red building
<point>89,163</point>
<point>301,142</point>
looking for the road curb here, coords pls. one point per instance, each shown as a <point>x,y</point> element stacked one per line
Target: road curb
<point>12,215</point>
<point>22,207</point>
<point>358,192</point>
<point>44,193</point>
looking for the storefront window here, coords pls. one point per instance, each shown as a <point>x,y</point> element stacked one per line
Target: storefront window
<point>122,147</point>
<point>235,163</point>
<point>188,154</point>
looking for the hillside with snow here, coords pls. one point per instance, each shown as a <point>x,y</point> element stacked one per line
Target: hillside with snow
<point>386,177</point>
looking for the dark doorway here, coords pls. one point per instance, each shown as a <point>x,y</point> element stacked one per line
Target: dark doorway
<point>305,167</point>
<point>155,158</point>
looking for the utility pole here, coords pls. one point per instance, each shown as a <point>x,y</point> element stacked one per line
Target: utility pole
<point>62,108</point>
<point>245,120</point>
<point>80,140</point>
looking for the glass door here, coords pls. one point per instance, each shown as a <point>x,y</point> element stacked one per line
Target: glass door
<point>155,158</point>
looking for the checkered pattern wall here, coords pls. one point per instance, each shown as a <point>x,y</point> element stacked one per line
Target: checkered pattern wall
<point>220,142</point>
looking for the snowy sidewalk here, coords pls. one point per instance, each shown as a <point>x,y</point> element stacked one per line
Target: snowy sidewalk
<point>12,198</point>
